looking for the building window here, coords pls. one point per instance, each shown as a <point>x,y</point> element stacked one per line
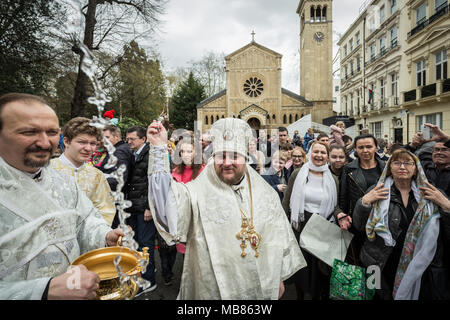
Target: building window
<point>212,119</point>
<point>393,6</point>
<point>312,13</point>
<point>351,103</point>
<point>296,117</point>
<point>284,119</point>
<point>358,103</point>
<point>421,73</point>
<point>345,50</point>
<point>376,128</point>
<point>324,14</point>
<point>439,4</point>
<point>441,65</point>
<point>421,14</point>
<point>290,118</point>
<point>351,67</point>
<point>206,119</point>
<point>372,51</point>
<point>382,45</point>
<point>382,15</point>
<point>253,87</point>
<point>357,39</point>
<point>394,33</point>
<point>358,63</point>
<point>346,73</point>
<point>382,91</point>
<point>433,118</point>
<point>371,24</point>
<point>394,87</point>
<point>350,44</point>
<point>318,13</point>
<point>336,88</point>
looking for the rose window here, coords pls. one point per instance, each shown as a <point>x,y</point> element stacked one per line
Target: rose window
<point>253,87</point>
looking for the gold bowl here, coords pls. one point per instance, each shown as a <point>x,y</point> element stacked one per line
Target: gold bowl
<point>101,261</point>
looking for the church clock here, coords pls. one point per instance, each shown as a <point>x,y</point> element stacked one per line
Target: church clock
<point>318,36</point>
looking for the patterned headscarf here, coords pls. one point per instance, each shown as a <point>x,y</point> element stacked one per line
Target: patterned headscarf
<point>416,254</point>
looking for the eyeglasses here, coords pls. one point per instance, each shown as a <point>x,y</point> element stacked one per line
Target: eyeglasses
<point>407,164</point>
<point>130,139</point>
<point>297,156</point>
<point>441,150</point>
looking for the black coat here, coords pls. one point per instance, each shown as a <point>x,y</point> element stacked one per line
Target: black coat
<point>136,189</point>
<point>124,156</point>
<point>353,185</point>
<point>272,178</point>
<point>435,280</point>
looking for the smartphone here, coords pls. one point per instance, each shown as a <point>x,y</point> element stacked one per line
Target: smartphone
<point>426,132</point>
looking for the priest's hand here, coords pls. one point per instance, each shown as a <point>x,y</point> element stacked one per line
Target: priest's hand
<point>113,236</point>
<point>157,134</point>
<point>78,283</point>
<point>281,292</point>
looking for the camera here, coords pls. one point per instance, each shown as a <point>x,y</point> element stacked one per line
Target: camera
<point>426,132</point>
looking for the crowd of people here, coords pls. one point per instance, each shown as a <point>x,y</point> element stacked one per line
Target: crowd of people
<point>233,204</point>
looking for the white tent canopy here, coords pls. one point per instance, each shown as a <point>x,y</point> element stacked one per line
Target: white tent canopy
<point>304,123</point>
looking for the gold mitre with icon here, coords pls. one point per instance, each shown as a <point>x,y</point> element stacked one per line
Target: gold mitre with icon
<point>231,135</point>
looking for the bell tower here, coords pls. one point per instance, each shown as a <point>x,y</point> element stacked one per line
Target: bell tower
<point>316,61</point>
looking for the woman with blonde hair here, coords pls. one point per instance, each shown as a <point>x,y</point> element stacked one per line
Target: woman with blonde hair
<point>313,189</point>
<point>256,157</point>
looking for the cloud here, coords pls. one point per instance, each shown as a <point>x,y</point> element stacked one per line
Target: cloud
<point>194,27</point>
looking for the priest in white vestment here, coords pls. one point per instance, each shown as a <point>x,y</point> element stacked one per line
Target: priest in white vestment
<point>46,221</point>
<point>239,243</point>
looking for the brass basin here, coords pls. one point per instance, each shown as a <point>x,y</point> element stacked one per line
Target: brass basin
<point>101,261</point>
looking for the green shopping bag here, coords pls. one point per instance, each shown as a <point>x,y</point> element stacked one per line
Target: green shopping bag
<point>348,282</point>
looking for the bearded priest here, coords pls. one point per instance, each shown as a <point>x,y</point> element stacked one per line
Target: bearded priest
<point>239,243</point>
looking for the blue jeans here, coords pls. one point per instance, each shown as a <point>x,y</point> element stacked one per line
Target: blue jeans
<point>144,234</point>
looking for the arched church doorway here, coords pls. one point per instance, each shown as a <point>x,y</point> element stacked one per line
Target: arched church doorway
<point>255,125</point>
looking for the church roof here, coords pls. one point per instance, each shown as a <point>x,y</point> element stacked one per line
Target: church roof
<point>213,97</point>
<point>296,96</point>
<point>253,43</point>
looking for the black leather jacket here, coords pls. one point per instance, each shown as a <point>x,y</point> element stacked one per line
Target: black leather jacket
<point>353,185</point>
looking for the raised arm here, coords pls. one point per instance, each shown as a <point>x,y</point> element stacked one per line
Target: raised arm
<point>169,201</point>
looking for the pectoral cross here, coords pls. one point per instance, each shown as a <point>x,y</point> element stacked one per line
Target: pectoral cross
<point>247,233</point>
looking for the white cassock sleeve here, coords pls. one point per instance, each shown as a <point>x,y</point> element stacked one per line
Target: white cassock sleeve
<point>169,200</point>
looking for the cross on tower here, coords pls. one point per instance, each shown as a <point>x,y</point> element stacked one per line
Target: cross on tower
<point>253,35</point>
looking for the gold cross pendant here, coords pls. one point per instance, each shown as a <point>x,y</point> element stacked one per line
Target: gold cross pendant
<point>243,236</point>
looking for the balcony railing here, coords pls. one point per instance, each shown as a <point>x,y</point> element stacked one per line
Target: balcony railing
<point>410,95</point>
<point>440,11</point>
<point>428,91</point>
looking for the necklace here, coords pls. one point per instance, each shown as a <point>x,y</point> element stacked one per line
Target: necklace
<point>247,232</point>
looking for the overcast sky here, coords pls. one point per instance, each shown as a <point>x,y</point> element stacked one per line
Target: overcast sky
<point>192,27</point>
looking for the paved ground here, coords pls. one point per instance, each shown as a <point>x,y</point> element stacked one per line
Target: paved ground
<point>163,292</point>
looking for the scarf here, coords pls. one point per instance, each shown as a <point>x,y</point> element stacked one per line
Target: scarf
<point>297,201</point>
<point>421,237</point>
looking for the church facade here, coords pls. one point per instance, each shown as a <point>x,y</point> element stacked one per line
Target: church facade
<point>254,91</point>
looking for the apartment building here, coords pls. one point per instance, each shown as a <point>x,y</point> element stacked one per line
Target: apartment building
<point>403,81</point>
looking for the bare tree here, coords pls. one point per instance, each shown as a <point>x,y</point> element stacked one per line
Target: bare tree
<point>108,24</point>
